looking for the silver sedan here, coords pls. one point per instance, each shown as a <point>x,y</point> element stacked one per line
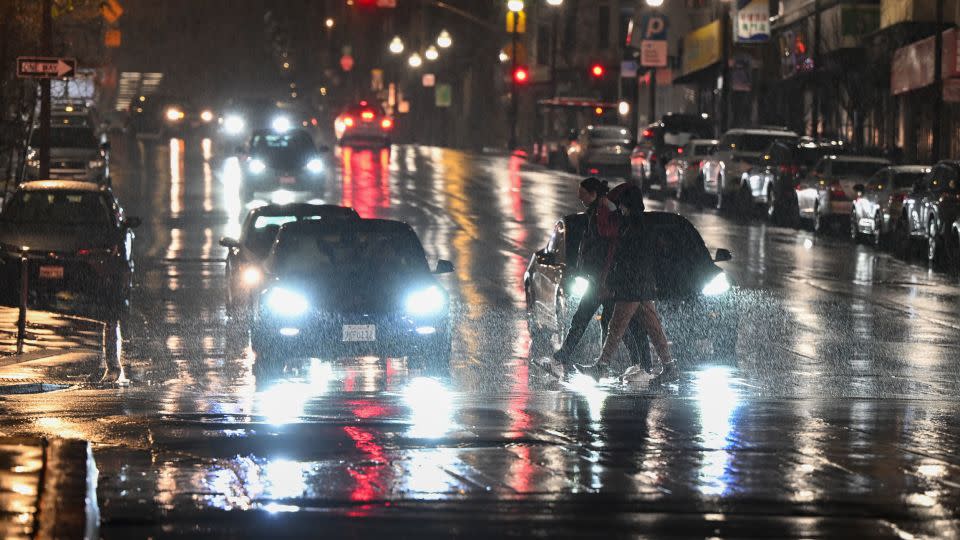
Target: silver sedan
<point>875,211</point>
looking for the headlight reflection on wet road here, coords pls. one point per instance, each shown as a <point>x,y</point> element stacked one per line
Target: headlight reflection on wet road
<point>718,401</point>
<point>431,408</point>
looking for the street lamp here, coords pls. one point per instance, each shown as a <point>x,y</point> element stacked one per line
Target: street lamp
<point>555,3</point>
<point>432,53</point>
<point>329,23</point>
<point>654,3</point>
<point>444,40</point>
<point>516,5</point>
<point>415,60</point>
<point>396,45</point>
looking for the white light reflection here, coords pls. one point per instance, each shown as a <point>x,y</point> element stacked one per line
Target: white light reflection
<point>718,401</point>
<point>591,392</point>
<point>176,176</point>
<point>282,196</point>
<point>285,479</point>
<point>431,407</point>
<point>286,401</point>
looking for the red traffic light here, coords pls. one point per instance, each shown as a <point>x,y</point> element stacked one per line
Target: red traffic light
<point>521,75</point>
<point>597,70</point>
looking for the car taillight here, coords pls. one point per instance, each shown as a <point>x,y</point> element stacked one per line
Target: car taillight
<point>386,123</point>
<point>647,133</point>
<point>679,150</point>
<point>348,121</point>
<point>367,116</point>
<point>897,198</point>
<point>789,169</point>
<point>837,192</point>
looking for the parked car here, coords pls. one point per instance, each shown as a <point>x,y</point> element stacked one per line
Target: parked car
<point>79,239</point>
<point>774,177</point>
<point>695,297</point>
<point>951,247</point>
<point>246,254</point>
<point>683,170</point>
<point>877,209</point>
<point>929,211</point>
<point>658,144</point>
<point>721,175</point>
<point>825,195</point>
<point>76,153</point>
<point>601,150</point>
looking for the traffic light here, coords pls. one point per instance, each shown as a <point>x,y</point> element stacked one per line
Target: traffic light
<point>597,71</point>
<point>521,75</point>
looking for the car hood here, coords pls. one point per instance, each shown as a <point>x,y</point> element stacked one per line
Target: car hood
<point>366,292</point>
<point>57,238</point>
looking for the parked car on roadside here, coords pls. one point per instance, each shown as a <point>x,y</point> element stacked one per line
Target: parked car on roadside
<point>740,149</point>
<point>876,210</point>
<point>825,195</point>
<point>683,170</point>
<point>658,144</point>
<point>774,178</point>
<point>929,211</point>
<point>601,150</point>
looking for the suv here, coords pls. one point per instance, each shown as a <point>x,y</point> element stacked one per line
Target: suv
<point>773,179</point>
<point>930,209</point>
<point>722,174</point>
<point>601,150</point>
<point>660,141</point>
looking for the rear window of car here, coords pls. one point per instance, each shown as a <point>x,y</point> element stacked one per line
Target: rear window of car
<point>609,133</point>
<point>906,180</point>
<point>855,168</point>
<point>704,149</point>
<point>58,208</point>
<point>742,142</point>
<point>68,137</point>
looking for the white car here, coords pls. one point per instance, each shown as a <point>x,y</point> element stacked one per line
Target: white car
<point>739,149</point>
<point>682,171</point>
<point>826,194</point>
<point>601,150</point>
<point>876,210</point>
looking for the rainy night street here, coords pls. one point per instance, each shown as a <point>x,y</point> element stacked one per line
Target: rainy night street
<point>837,417</point>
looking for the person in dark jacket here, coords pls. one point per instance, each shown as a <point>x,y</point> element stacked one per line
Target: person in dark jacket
<point>631,285</point>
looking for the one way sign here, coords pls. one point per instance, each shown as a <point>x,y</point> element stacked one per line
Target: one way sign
<point>36,67</point>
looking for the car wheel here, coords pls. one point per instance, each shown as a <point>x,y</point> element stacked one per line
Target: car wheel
<point>876,236</point>
<point>933,243</point>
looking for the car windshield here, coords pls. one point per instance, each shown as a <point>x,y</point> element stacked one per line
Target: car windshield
<point>262,231</point>
<point>282,146</point>
<point>67,137</point>
<point>609,133</point>
<point>344,251</point>
<point>855,168</point>
<point>742,142</point>
<point>58,208</point>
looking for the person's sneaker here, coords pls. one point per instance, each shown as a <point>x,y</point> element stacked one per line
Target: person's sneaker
<point>669,375</point>
<point>634,374</point>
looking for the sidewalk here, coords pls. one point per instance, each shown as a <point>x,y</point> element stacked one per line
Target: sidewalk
<point>47,331</point>
<point>47,489</point>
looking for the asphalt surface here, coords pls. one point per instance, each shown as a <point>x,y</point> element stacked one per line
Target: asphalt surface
<point>839,417</point>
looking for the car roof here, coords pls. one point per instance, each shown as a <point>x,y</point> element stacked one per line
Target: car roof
<point>856,159</point>
<point>704,141</point>
<point>761,131</point>
<point>909,168</point>
<point>71,185</point>
<point>304,209</point>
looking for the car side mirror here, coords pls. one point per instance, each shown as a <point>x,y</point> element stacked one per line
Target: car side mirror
<point>547,258</point>
<point>859,188</point>
<point>231,243</point>
<point>443,267</point>
<point>132,222</point>
<point>105,146</point>
<point>723,255</point>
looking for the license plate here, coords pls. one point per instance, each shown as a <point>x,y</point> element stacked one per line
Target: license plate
<point>359,332</point>
<point>51,272</point>
<point>286,180</point>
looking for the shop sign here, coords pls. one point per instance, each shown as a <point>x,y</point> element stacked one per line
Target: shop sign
<point>702,47</point>
<point>752,21</point>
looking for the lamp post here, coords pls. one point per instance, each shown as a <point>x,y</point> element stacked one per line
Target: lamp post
<point>937,86</point>
<point>553,45</point>
<point>515,7</point>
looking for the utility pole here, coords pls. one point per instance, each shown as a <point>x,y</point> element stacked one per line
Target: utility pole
<point>937,85</point>
<point>46,43</point>
<point>514,83</point>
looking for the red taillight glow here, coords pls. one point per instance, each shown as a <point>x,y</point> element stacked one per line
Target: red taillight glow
<point>367,116</point>
<point>313,122</point>
<point>679,150</point>
<point>594,171</point>
<point>647,133</point>
<point>836,192</point>
<point>789,169</point>
<point>348,121</point>
<point>386,123</point>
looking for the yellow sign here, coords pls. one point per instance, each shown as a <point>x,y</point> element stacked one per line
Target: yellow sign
<point>112,38</point>
<point>111,10</point>
<point>521,23</point>
<point>702,48</point>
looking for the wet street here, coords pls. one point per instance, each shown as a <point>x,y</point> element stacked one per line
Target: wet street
<point>838,417</point>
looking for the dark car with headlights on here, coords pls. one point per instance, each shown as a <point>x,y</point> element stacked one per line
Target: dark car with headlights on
<point>288,161</point>
<point>246,254</point>
<point>76,237</point>
<point>76,153</point>
<point>357,286</point>
<point>694,295</point>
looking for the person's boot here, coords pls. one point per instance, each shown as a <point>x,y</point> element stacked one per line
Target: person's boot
<point>669,375</point>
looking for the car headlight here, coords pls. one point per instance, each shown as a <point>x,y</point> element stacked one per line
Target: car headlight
<point>206,116</point>
<point>95,164</point>
<point>281,301</point>
<point>281,124</point>
<point>315,166</point>
<point>233,124</point>
<point>174,114</point>
<point>425,301</point>
<point>580,286</point>
<point>251,276</point>
<point>717,286</point>
<point>256,166</point>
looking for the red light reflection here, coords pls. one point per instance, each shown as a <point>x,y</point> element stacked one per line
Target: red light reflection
<point>366,181</point>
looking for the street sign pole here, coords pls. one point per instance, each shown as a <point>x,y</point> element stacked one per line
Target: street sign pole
<point>46,42</point>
